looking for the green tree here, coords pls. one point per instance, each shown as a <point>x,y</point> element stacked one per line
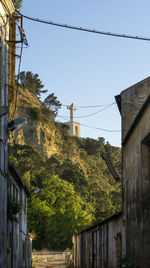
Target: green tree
<point>32,82</point>
<point>52,103</point>
<point>73,173</point>
<point>60,212</point>
<point>17,4</point>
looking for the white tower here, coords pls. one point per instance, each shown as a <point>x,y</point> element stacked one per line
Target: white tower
<point>74,126</point>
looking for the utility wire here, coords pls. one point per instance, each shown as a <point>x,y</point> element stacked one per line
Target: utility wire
<point>106,130</point>
<point>89,106</point>
<point>85,29</point>
<point>83,116</point>
<point>103,129</point>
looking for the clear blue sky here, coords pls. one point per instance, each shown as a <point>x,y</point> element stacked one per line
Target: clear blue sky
<point>85,68</point>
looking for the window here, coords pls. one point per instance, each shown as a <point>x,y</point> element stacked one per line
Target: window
<point>145,175</point>
<point>10,188</point>
<point>76,130</point>
<point>14,192</point>
<point>146,157</point>
<point>17,195</point>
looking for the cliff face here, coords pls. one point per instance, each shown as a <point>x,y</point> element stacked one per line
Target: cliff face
<point>41,131</point>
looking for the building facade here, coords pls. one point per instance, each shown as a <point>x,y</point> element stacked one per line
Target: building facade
<point>19,246</point>
<point>125,238</point>
<point>6,10</point>
<point>135,111</point>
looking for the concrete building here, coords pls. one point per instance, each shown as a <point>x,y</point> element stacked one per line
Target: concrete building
<point>126,236</point>
<point>74,126</point>
<point>134,106</point>
<point>18,240</point>
<point>6,9</point>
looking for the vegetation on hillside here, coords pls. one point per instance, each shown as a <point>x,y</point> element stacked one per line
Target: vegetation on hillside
<point>71,197</point>
<point>76,187</point>
<point>32,82</point>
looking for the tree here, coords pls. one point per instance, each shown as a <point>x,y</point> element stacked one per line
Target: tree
<point>52,103</point>
<point>32,82</point>
<point>56,213</point>
<point>17,3</point>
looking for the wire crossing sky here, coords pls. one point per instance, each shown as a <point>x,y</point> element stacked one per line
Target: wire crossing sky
<point>88,69</point>
<point>85,29</point>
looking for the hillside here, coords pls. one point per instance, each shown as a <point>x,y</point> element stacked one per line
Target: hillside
<point>76,188</point>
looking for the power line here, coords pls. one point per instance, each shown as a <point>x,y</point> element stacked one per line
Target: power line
<point>103,129</point>
<point>85,29</point>
<point>106,130</point>
<point>83,116</point>
<point>98,128</point>
<point>89,106</point>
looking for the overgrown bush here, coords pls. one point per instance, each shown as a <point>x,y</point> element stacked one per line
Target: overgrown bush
<point>35,113</point>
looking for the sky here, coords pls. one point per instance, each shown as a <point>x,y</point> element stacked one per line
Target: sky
<point>84,68</point>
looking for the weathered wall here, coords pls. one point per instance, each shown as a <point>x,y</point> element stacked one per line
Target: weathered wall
<point>18,240</point>
<point>4,35</point>
<point>132,100</point>
<point>136,171</point>
<point>136,177</point>
<point>100,246</point>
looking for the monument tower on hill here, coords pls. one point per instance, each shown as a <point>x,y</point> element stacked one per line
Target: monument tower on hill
<point>74,126</point>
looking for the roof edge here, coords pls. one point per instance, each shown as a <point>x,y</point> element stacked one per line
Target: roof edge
<point>136,120</point>
<point>118,101</point>
<point>92,227</point>
<point>14,173</point>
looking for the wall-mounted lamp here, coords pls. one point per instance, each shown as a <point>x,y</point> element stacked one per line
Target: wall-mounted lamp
<point>17,124</point>
<point>35,190</point>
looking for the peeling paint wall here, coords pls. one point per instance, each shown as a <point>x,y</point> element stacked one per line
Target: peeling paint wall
<point>4,35</point>
<point>128,234</point>
<point>19,246</point>
<point>98,247</point>
<point>136,174</point>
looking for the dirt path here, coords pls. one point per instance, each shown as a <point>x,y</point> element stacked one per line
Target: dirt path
<point>54,264</point>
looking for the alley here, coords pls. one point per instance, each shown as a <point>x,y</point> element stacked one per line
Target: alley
<point>54,264</point>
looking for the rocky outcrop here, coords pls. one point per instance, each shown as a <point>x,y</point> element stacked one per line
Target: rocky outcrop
<point>42,132</point>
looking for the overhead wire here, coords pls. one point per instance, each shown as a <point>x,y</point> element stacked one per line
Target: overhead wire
<point>98,128</point>
<point>106,130</point>
<point>88,106</point>
<point>83,116</point>
<point>85,29</point>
